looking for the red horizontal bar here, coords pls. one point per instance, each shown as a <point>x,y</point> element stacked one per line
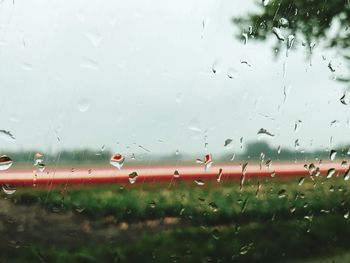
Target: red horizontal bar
<point>97,175</point>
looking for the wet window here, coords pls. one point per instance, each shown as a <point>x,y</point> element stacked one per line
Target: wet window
<point>184,131</point>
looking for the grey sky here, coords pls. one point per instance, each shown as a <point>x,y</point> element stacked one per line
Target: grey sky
<point>143,70</point>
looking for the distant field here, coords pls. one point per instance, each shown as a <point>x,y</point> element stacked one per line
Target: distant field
<point>301,219</point>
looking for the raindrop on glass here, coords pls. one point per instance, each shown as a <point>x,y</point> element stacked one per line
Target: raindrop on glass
<point>199,182</point>
<point>227,143</point>
<point>282,193</point>
<point>117,160</point>
<point>264,133</point>
<point>232,73</point>
<point>8,189</point>
<point>208,161</point>
<point>176,174</point>
<point>332,155</point>
<point>330,173</point>
<point>132,177</point>
<point>5,162</point>
<point>7,135</point>
<point>83,105</point>
<point>278,33</point>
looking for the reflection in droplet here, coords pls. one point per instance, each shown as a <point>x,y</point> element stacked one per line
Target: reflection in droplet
<point>132,177</point>
<point>117,160</point>
<point>8,189</point>
<point>83,105</point>
<point>5,162</point>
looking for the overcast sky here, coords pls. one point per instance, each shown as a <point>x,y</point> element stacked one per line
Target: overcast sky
<point>129,73</point>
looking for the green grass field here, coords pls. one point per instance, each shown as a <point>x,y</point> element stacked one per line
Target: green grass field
<point>270,220</point>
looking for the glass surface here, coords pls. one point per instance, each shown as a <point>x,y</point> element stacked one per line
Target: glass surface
<point>174,131</point>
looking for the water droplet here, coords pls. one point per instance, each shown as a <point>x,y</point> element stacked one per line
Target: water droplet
<point>345,99</point>
<point>264,133</point>
<point>208,161</point>
<point>8,189</point>
<point>213,206</point>
<point>232,73</point>
<point>215,234</point>
<point>132,177</point>
<point>283,22</point>
<point>268,163</point>
<point>227,142</point>
<point>89,64</point>
<point>265,2</point>
<point>344,163</point>
<point>332,155</point>
<point>215,66</point>
<point>330,66</point>
<point>176,174</point>
<point>312,169</point>
<point>41,167</point>
<point>290,42</point>
<point>219,175</point>
<point>330,172</point>
<point>278,33</point>
<point>279,149</point>
<point>296,144</point>
<point>297,125</point>
<point>346,215</point>
<point>152,204</point>
<point>199,182</point>
<point>347,175</point>
<point>117,160</point>
<point>95,38</point>
<point>282,193</point>
<point>301,180</point>
<point>245,37</point>
<point>6,135</point>
<point>273,174</point>
<point>292,209</point>
<point>83,105</point>
<point>5,162</point>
